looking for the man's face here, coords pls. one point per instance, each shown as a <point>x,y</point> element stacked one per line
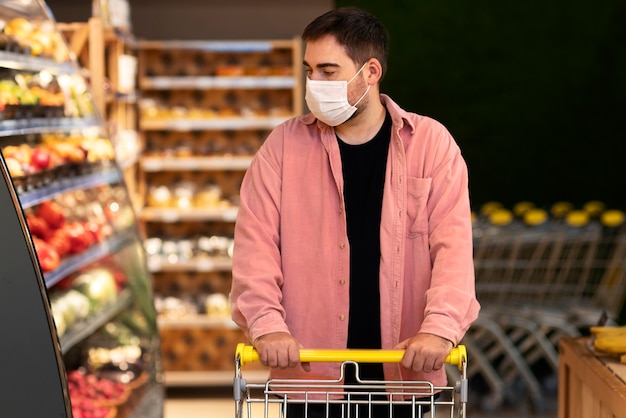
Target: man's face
<point>326,59</point>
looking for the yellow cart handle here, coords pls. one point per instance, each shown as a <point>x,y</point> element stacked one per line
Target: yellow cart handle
<point>247,353</point>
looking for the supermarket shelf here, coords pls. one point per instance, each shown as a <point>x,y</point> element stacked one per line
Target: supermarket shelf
<point>93,253</point>
<point>198,321</point>
<point>215,123</point>
<point>212,378</point>
<point>224,82</point>
<point>27,126</point>
<point>211,46</point>
<point>193,214</point>
<point>33,197</point>
<point>158,264</point>
<point>23,62</point>
<point>155,164</point>
<point>80,331</point>
<point>151,405</point>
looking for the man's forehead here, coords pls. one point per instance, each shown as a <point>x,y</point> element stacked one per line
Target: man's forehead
<point>325,52</point>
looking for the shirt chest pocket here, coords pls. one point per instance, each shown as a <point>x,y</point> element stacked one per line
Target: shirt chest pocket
<point>418,190</point>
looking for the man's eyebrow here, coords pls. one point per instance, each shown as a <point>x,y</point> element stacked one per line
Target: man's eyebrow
<point>322,64</point>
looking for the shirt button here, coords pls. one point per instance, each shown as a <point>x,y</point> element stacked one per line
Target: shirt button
<point>342,245</point>
<point>342,282</point>
<point>342,317</point>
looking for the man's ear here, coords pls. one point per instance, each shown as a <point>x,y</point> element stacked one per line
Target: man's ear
<point>374,71</point>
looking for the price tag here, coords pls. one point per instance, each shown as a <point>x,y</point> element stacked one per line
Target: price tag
<point>230,215</point>
<point>205,264</point>
<point>154,263</point>
<point>152,164</point>
<point>170,216</point>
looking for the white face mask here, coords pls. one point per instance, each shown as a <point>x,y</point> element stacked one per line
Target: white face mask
<point>328,100</point>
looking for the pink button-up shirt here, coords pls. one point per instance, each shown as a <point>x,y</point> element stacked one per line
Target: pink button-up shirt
<point>291,258</point>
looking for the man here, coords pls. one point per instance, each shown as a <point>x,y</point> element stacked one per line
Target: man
<point>354,227</point>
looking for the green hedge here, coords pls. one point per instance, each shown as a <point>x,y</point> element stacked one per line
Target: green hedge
<point>534,91</point>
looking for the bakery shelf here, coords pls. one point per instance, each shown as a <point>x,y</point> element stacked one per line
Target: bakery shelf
<point>211,124</point>
<point>211,378</point>
<point>156,164</point>
<point>197,321</point>
<point>193,214</point>
<point>82,330</point>
<point>215,46</point>
<point>204,264</point>
<point>206,108</point>
<point>248,82</point>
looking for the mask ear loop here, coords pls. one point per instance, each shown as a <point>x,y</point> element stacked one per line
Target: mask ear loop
<point>357,73</point>
<point>366,90</point>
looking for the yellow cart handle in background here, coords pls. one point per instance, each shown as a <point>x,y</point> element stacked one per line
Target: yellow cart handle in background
<point>247,353</point>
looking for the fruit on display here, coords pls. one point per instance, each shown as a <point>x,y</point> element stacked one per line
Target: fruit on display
<point>37,38</point>
<point>56,151</point>
<point>51,213</point>
<point>79,238</point>
<point>98,285</point>
<point>94,396</point>
<point>66,228</point>
<point>47,255</point>
<point>68,308</point>
<point>14,93</point>
<point>610,339</point>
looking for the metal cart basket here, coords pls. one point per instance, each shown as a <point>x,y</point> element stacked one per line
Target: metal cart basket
<point>331,398</point>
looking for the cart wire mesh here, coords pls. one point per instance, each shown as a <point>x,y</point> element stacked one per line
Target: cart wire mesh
<point>333,398</point>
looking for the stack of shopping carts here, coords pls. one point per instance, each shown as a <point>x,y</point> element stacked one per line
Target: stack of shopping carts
<point>540,275</point>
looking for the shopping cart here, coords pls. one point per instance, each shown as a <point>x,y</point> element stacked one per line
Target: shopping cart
<point>335,399</point>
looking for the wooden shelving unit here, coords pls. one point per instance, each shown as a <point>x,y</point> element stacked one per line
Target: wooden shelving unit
<point>110,57</point>
<point>206,107</point>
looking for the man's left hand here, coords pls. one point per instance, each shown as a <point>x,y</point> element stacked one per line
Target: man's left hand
<point>425,352</point>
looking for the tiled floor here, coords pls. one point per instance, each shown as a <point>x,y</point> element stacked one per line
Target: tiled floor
<point>217,402</point>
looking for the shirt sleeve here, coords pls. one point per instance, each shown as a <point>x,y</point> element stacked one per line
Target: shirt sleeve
<point>451,304</point>
<point>256,276</point>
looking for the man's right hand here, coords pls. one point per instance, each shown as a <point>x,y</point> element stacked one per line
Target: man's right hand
<point>279,349</point>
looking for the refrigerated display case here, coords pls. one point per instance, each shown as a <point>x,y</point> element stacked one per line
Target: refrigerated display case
<point>79,333</point>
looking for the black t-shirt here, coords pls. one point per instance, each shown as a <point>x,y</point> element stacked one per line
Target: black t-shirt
<point>364,168</point>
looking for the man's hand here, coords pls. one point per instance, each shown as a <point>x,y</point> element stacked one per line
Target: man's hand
<point>425,352</point>
<point>279,349</point>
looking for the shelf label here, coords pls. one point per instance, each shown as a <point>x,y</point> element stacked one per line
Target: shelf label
<point>205,265</point>
<point>170,216</point>
<point>230,215</point>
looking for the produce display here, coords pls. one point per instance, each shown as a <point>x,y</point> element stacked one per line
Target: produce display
<point>610,340</point>
<point>67,155</point>
<point>79,217</point>
<point>94,396</point>
<point>33,37</point>
<point>73,222</point>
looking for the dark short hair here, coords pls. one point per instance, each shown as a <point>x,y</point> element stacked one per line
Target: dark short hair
<point>362,35</point>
